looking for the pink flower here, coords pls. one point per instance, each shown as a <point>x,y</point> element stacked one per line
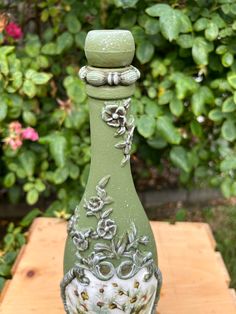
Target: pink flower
<point>14,142</point>
<point>15,127</point>
<point>13,30</point>
<point>30,134</point>
<point>17,135</point>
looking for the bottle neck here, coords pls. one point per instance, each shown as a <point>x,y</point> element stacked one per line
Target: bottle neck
<point>105,157</point>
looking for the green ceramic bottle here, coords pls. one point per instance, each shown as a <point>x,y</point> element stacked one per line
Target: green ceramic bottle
<point>110,263</point>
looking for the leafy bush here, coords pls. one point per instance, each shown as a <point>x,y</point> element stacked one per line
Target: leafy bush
<point>14,239</point>
<point>184,104</point>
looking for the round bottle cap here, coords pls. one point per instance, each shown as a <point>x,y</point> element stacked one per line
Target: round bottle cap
<point>109,48</point>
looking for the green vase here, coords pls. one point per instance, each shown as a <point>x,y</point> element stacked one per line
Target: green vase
<point>110,263</point>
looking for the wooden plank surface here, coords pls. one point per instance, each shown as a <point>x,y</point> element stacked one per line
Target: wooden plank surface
<point>195,278</point>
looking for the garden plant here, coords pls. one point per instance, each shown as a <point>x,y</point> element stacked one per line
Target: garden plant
<point>184,105</point>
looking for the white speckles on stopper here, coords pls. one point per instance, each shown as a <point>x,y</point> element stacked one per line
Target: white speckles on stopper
<point>109,48</point>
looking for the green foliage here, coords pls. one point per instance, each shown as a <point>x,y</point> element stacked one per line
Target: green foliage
<point>223,222</point>
<point>184,105</point>
<point>14,239</point>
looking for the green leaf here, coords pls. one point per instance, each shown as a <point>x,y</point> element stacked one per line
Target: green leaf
<point>9,180</point>
<point>40,78</point>
<point>176,107</point>
<point>185,41</point>
<point>228,130</point>
<point>80,39</point>
<point>28,162</point>
<point>64,42</point>
<point>29,73</point>
<point>58,147</point>
<point>202,96</point>
<point>215,115</point>
<point>212,31</point>
<point>72,23</point>
<point>75,89</point>
<point>17,78</point>
<point>4,68</point>
<point>184,84</point>
<point>50,49</point>
<point>128,19</point>
<point>185,23</point>
<point>157,142</point>
<point>28,219</point>
<point>227,59</point>
<point>179,157</point>
<point>139,34</point>
<point>74,171</point>
<point>152,26</point>
<point>231,78</point>
<point>28,186</point>
<point>229,163</point>
<point>172,21</point>
<point>201,24</point>
<point>6,50</point>
<point>146,126</point>
<point>226,8</point>
<point>42,62</point>
<point>170,24</point>
<point>61,175</point>
<point>145,52</point>
<point>29,88</point>
<point>39,185</point>
<point>3,110</point>
<point>32,196</point>
<point>151,107</point>
<point>220,50</point>
<point>229,105</point>
<point>29,118</point>
<point>158,10</point>
<point>226,187</point>
<point>5,269</point>
<point>200,50</point>
<point>196,129</point>
<point>32,47</point>
<point>126,3</point>
<point>168,130</point>
<point>166,97</point>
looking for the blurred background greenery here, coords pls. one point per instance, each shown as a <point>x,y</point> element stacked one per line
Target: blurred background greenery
<point>184,105</point>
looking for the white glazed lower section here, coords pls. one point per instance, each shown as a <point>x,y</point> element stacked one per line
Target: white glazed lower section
<point>114,296</point>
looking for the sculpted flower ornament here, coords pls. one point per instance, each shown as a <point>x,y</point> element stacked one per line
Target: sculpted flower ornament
<point>94,204</point>
<point>114,114</point>
<point>106,229</point>
<point>80,239</point>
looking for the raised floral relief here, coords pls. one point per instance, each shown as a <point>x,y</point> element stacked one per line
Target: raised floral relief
<point>115,115</point>
<point>106,229</point>
<point>131,287</point>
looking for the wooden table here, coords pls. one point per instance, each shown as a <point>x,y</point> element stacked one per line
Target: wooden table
<point>195,278</point>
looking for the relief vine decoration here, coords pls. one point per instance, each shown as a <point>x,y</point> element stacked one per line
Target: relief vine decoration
<point>114,113</point>
<point>99,262</point>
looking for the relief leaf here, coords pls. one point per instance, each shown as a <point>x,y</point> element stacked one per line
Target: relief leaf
<point>100,247</point>
<point>103,182</point>
<point>106,213</point>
